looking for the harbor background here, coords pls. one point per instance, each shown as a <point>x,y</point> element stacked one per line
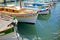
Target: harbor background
<point>47,27</point>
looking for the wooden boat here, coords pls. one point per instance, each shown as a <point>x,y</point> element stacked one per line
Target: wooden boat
<point>6,26</point>
<point>23,14</point>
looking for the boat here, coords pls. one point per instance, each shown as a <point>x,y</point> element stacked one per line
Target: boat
<point>22,14</point>
<point>25,3</point>
<point>44,10</point>
<point>6,26</point>
<point>40,8</point>
<point>10,0</point>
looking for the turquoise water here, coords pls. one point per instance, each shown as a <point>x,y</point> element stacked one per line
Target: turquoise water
<point>46,27</point>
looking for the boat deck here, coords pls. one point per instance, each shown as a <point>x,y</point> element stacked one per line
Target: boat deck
<point>4,24</point>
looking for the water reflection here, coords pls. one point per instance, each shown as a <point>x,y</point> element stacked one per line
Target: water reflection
<point>28,31</point>
<point>58,33</point>
<point>43,17</point>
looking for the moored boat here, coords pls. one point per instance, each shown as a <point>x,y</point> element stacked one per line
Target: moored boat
<point>42,8</point>
<point>6,26</point>
<point>23,14</point>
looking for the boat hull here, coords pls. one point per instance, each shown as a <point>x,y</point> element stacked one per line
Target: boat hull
<point>31,19</point>
<point>44,12</point>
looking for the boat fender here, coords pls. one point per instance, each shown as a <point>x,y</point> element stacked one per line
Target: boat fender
<point>15,21</point>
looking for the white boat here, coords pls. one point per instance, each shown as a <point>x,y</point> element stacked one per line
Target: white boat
<point>44,11</point>
<point>37,3</point>
<point>23,14</point>
<point>42,8</point>
<point>10,0</point>
<point>30,18</point>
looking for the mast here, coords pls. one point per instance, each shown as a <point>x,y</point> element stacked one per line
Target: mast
<point>20,3</point>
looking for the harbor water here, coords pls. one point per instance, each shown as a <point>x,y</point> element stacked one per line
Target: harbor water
<point>47,27</point>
